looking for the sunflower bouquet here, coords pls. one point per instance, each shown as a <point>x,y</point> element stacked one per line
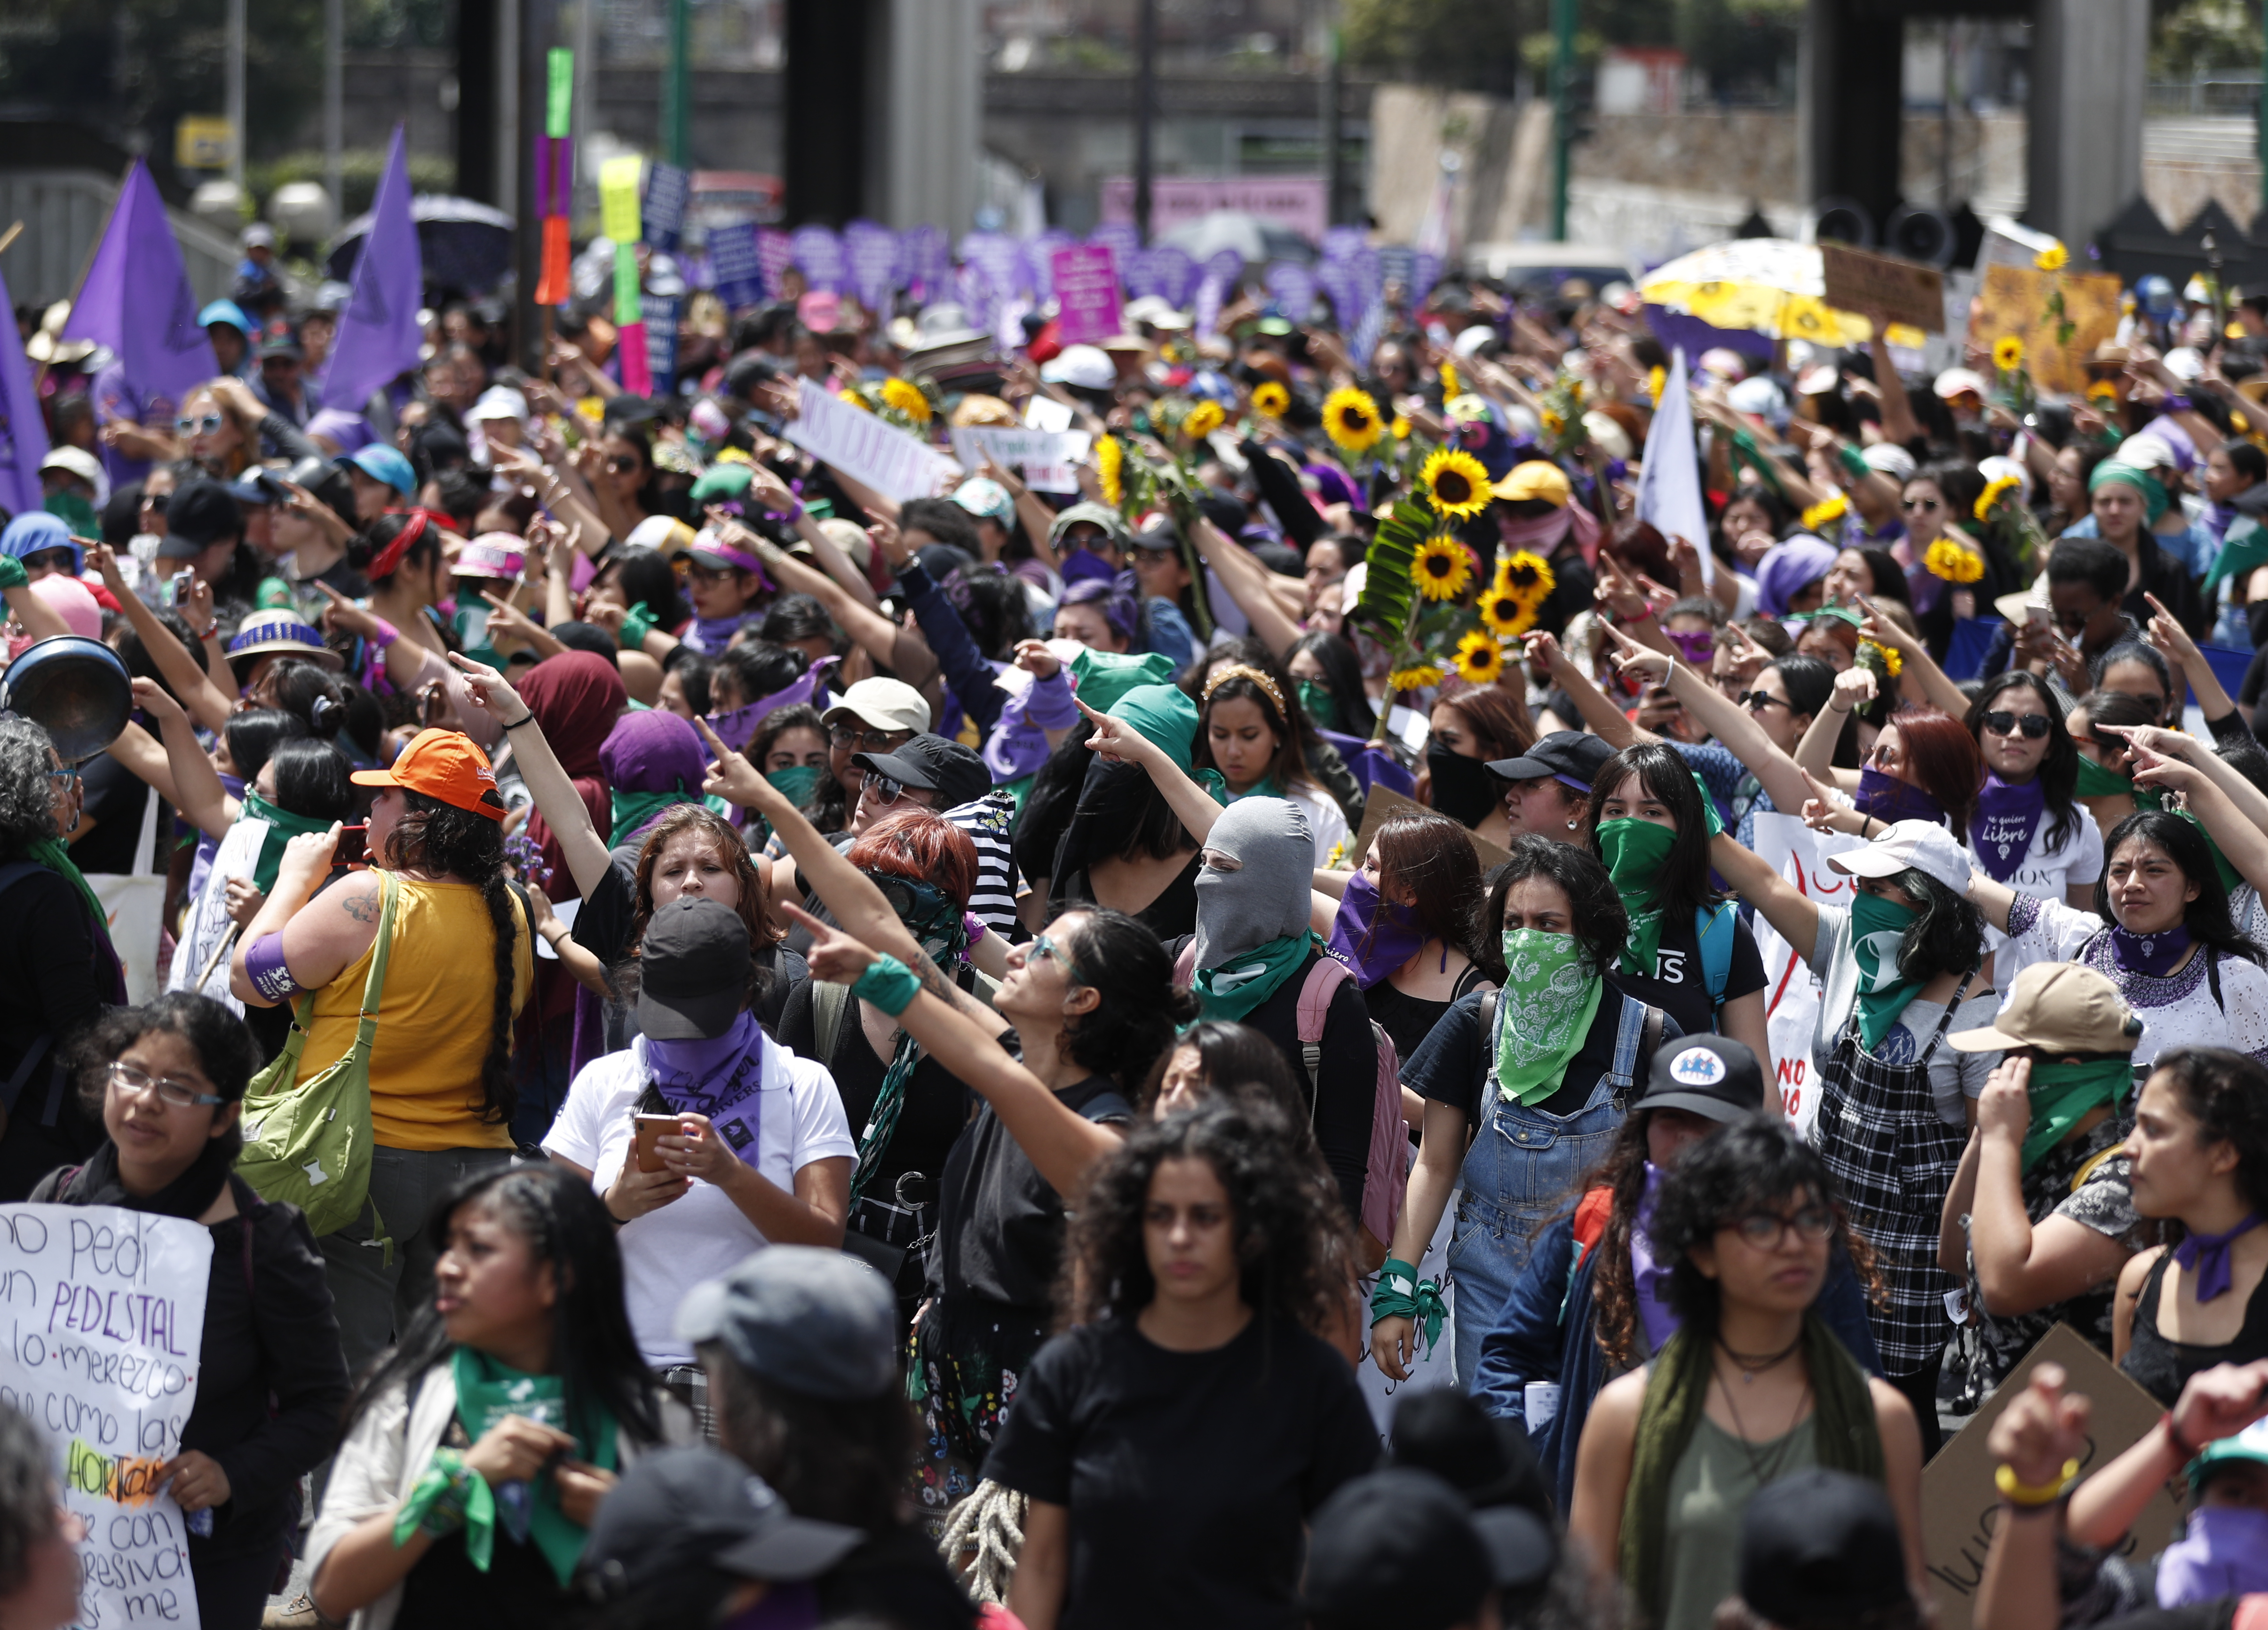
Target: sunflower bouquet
<point>1560,408</point>
<point>1954,562</point>
<point>2013,380</point>
<point>2052,260</point>
<point>1351,420</point>
<point>2001,506</point>
<point>911,405</point>
<point>1415,579</point>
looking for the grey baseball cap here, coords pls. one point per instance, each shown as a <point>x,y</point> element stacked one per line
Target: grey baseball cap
<point>815,1322</point>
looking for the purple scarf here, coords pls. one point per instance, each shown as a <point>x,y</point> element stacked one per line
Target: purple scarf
<point>738,728</point>
<point>2007,817</point>
<point>1650,1279</point>
<point>2206,1256</point>
<point>1375,935</point>
<point>1889,800</point>
<point>709,635</point>
<point>722,1078</point>
<point>2154,954</point>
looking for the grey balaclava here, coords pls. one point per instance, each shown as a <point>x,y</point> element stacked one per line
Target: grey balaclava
<point>1266,896</point>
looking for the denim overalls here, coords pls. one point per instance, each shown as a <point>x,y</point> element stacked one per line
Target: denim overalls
<point>1524,1168</point>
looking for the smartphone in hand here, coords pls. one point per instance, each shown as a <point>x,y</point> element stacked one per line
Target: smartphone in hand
<point>353,849</point>
<point>649,1128</point>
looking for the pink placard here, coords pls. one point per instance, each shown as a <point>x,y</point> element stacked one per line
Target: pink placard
<point>1086,290</point>
<point>1292,200</point>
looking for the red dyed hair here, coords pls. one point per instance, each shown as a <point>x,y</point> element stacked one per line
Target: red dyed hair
<point>1942,758</point>
<point>922,846</point>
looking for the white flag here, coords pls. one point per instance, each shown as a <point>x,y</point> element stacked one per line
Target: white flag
<point>1669,486</point>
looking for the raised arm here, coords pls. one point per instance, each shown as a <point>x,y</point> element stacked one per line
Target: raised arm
<point>561,806</point>
<point>197,792</point>
<point>2234,824</point>
<point>1245,579</point>
<point>2173,641</point>
<point>1606,719</point>
<point>1115,738</point>
<point>1063,1144</point>
<point>1815,752</point>
<point>1996,900</point>
<point>37,617</point>
<point>773,494</point>
<point>1917,666</point>
<point>881,639</point>
<point>2215,1404</point>
<point>1794,915</point>
<point>2042,1431</point>
<point>2023,1266</point>
<point>206,701</point>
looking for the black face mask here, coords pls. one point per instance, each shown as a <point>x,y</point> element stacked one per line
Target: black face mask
<point>1463,790</point>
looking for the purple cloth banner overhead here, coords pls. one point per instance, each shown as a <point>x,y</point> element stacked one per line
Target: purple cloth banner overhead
<point>137,300</point>
<point>775,253</point>
<point>1373,763</point>
<point>23,436</point>
<point>1086,290</point>
<point>378,338</point>
<point>874,256</point>
<point>1292,287</point>
<point>734,264</point>
<point>819,252</point>
<point>1177,273</point>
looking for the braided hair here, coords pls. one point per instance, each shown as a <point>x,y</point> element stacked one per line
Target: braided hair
<point>441,839</point>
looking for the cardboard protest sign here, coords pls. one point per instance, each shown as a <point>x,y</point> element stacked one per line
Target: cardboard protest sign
<point>1960,1507</point>
<point>865,448</point>
<point>2013,301</point>
<point>106,1319</point>
<point>1045,456</point>
<point>1791,989</point>
<point>1382,801</point>
<point>1904,292</point>
<point>1085,278</point>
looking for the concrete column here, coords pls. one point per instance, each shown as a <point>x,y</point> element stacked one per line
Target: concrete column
<point>931,100</point>
<point>1848,104</point>
<point>2089,66</point>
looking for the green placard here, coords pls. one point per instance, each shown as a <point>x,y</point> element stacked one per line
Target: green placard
<point>559,105</point>
<point>628,308</point>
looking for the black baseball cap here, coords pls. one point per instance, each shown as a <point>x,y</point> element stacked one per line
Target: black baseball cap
<point>693,971</point>
<point>1395,1547</point>
<point>681,1508</point>
<point>1713,1076</point>
<point>1820,1548</point>
<point>1523,1552</point>
<point>813,1321</point>
<point>199,515</point>
<point>933,763</point>
<point>284,343</point>
<point>1574,755</point>
<point>1484,1458</point>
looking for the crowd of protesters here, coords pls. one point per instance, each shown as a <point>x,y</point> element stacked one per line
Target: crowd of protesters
<point>1188,1033</point>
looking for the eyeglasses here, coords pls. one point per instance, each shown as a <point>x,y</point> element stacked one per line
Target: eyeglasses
<point>1765,1230</point>
<point>867,741</point>
<point>68,777</point>
<point>622,463</point>
<point>2034,725</point>
<point>156,502</point>
<point>1044,947</point>
<point>52,560</point>
<point>133,1083</point>
<point>1921,503</point>
<point>1756,701</point>
<point>204,426</point>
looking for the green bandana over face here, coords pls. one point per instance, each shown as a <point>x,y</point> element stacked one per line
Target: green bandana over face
<point>1878,932</point>
<point>1321,705</point>
<point>2062,1094</point>
<point>1550,996</point>
<point>1251,977</point>
<point>282,829</point>
<point>1635,852</point>
<point>796,783</point>
<point>2095,782</point>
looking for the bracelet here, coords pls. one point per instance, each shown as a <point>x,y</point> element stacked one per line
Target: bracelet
<point>523,719</point>
<point>2032,1496</point>
<point>208,631</point>
<point>386,632</point>
<point>888,983</point>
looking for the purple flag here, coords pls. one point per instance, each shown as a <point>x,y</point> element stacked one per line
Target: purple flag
<point>1121,240</point>
<point>1343,243</point>
<point>379,337</point>
<point>137,301</point>
<point>23,436</point>
<point>875,258</point>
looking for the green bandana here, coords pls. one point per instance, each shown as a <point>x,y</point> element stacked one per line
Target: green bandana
<point>2062,1094</point>
<point>1709,810</point>
<point>1264,788</point>
<point>449,1496</point>
<point>796,783</point>
<point>2242,551</point>
<point>1163,714</point>
<point>1102,676</point>
<point>634,810</point>
<point>1253,976</point>
<point>1321,705</point>
<point>1878,932</point>
<point>2095,782</point>
<point>1550,996</point>
<point>283,827</point>
<point>1635,852</point>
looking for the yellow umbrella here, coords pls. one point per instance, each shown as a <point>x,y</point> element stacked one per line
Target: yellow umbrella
<point>1759,286</point>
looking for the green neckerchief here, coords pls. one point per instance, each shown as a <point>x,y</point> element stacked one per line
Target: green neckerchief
<point>1844,1436</point>
<point>1550,999</point>
<point>2095,782</point>
<point>1635,852</point>
<point>1709,810</point>
<point>633,810</point>
<point>1250,977</point>
<point>1321,705</point>
<point>2240,552</point>
<point>50,853</point>
<point>2062,1094</point>
<point>1878,932</point>
<point>452,1495</point>
<point>283,827</point>
<point>1264,788</point>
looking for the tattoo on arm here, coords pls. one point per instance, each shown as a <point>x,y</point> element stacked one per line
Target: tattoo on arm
<point>361,908</point>
<point>934,981</point>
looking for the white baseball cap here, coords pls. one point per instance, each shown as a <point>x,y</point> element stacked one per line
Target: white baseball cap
<point>1088,367</point>
<point>886,704</point>
<point>1920,846</point>
<point>1888,458</point>
<point>500,402</point>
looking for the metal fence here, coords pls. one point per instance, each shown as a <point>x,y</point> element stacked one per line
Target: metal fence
<point>2221,91</point>
<point>62,211</point>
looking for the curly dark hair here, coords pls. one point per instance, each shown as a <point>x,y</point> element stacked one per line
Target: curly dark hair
<point>441,839</point>
<point>1138,1008</point>
<point>1613,1289</point>
<point>2207,917</point>
<point>1291,1226</point>
<point>2227,1092</point>
<point>1241,1065</point>
<point>2058,771</point>
<point>224,1048</point>
<point>832,1460</point>
<point>1600,922</point>
<point>1662,774</point>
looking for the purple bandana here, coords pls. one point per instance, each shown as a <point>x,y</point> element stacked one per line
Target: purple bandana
<point>2154,954</point>
<point>721,1078</point>
<point>1696,645</point>
<point>1889,800</point>
<point>709,635</point>
<point>2206,1257</point>
<point>1372,935</point>
<point>2007,817</point>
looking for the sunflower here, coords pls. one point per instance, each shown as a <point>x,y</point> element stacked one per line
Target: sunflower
<point>1950,560</point>
<point>2007,353</point>
<point>1110,459</point>
<point>1450,381</point>
<point>907,398</point>
<point>1203,420</point>
<point>1887,658</point>
<point>2102,393</point>
<point>2054,258</point>
<point>1400,429</point>
<point>1440,569</point>
<point>1656,382</point>
<point>1526,576</point>
<point>1421,675</point>
<point>1271,401</point>
<point>855,400</point>
<point>1503,610</point>
<point>1553,424</point>
<point>1350,418</point>
<point>1455,483</point>
<point>1827,510</point>
<point>1992,495</point>
<point>1480,659</point>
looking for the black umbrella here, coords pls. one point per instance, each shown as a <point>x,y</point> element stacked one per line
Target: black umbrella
<point>465,244</point>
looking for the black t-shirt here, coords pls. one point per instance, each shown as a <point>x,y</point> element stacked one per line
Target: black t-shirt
<point>115,797</point>
<point>1000,1224</point>
<point>1408,1020</point>
<point>1188,1476</point>
<point>1173,914</point>
<point>603,927</point>
<point>1679,988</point>
<point>1452,1066</point>
<point>898,1579</point>
<point>935,1111</point>
<point>49,988</point>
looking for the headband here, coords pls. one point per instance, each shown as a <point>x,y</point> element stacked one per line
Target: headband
<point>388,560</point>
<point>1241,671</point>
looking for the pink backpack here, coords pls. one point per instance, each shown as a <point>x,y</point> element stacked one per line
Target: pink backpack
<point>1386,1170</point>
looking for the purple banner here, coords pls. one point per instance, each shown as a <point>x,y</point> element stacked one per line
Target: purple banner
<point>927,266</point>
<point>379,336</point>
<point>137,300</point>
<point>1337,279</point>
<point>1140,272</point>
<point>23,435</point>
<point>1177,272</point>
<point>998,257</point>
<point>1425,272</point>
<point>1292,287</point>
<point>819,252</point>
<point>873,251</point>
<point>738,273</point>
<point>1343,243</point>
<point>775,254</point>
<point>1039,260</point>
<point>1085,278</point>
<point>1121,238</point>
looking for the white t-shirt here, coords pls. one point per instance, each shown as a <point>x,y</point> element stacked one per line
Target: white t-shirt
<point>1953,1075</point>
<point>702,1234</point>
<point>1325,820</point>
<point>2178,1011</point>
<point>2048,872</point>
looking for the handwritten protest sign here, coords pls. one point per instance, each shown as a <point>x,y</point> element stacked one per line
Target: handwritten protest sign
<point>865,448</point>
<point>2013,301</point>
<point>104,1311</point>
<point>1791,989</point>
<point>1904,292</point>
<point>1086,277</point>
<point>1046,457</point>
<point>1960,1506</point>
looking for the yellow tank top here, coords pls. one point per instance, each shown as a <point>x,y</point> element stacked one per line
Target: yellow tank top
<point>434,1012</point>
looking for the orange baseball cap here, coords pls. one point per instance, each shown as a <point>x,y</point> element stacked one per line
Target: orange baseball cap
<point>447,765</point>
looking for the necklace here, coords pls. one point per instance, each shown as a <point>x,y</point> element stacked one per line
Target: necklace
<point>1753,1364</point>
<point>1765,1468</point>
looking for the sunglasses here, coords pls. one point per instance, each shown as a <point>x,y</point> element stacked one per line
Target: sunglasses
<point>52,560</point>
<point>204,426</point>
<point>1044,947</point>
<point>1921,503</point>
<point>1756,701</point>
<point>622,464</point>
<point>2034,725</point>
<point>886,790</point>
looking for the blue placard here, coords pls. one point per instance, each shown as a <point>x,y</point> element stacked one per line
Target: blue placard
<point>738,275</point>
<point>662,212</point>
<point>661,341</point>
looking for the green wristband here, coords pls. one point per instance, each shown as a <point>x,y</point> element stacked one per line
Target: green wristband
<point>637,623</point>
<point>1853,464</point>
<point>12,575</point>
<point>888,983</point>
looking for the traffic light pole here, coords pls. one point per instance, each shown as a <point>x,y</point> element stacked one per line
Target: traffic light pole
<point>1563,110</point>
